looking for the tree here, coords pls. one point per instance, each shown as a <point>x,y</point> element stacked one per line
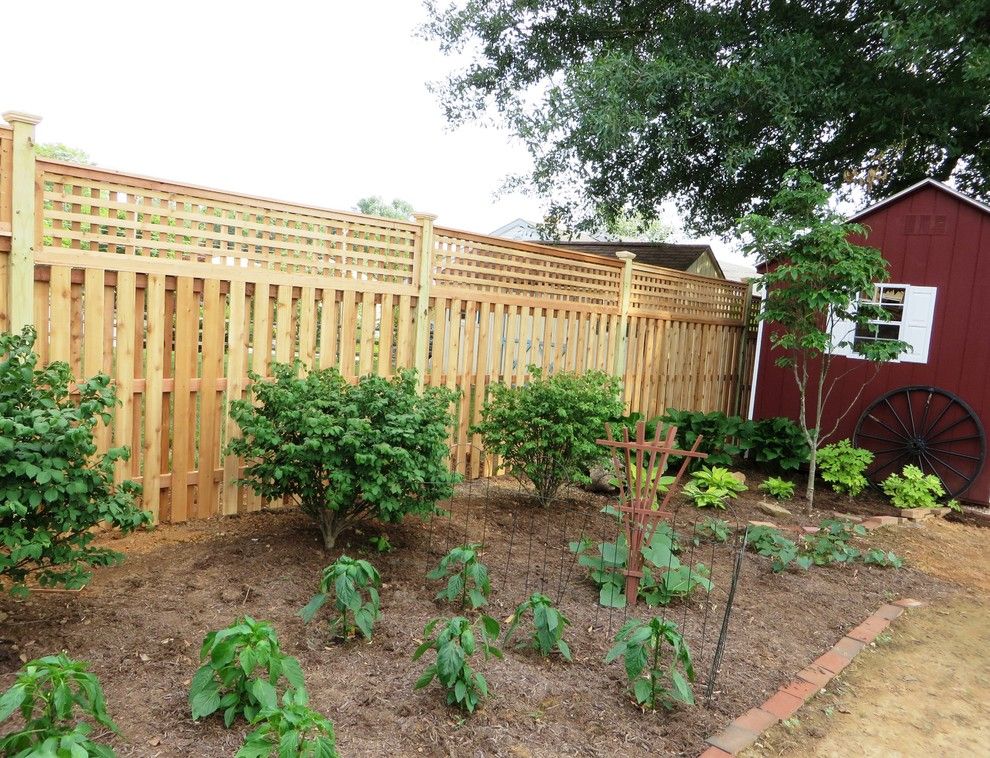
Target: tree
<point>59,152</point>
<point>814,278</point>
<point>375,205</point>
<point>624,105</point>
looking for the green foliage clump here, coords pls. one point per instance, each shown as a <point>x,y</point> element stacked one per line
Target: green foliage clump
<point>778,488</point>
<point>54,486</point>
<point>545,431</point>
<point>712,487</point>
<point>842,466</point>
<point>242,666</point>
<point>778,444</point>
<point>354,586</point>
<point>653,682</point>
<point>829,545</point>
<point>454,645</point>
<point>47,692</point>
<point>770,542</point>
<point>710,528</point>
<point>913,488</point>
<point>467,577</point>
<point>724,437</point>
<point>884,559</point>
<point>290,730</point>
<point>548,625</point>
<point>377,448</point>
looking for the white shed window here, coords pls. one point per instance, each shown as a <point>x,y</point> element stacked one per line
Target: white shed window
<point>911,311</point>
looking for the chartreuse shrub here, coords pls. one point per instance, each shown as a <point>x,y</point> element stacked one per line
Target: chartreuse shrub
<point>290,730</point>
<point>54,485</point>
<point>345,451</point>
<point>778,444</point>
<point>656,677</point>
<point>454,644</point>
<point>467,577</point>
<point>724,437</point>
<point>242,667</point>
<point>353,584</point>
<point>912,488</point>
<point>545,431</point>
<point>712,487</point>
<point>843,467</point>
<point>53,695</point>
<point>548,625</point>
<point>778,488</point>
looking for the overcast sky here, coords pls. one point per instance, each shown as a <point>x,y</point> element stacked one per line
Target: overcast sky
<point>314,102</point>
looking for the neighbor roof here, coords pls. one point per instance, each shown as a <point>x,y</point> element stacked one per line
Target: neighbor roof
<point>667,254</point>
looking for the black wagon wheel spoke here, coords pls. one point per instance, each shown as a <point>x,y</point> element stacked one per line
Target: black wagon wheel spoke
<point>928,426</point>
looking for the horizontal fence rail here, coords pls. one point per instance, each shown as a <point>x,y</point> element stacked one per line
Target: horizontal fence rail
<point>177,292</point>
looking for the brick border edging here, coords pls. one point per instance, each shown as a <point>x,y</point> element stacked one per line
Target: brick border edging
<point>746,729</point>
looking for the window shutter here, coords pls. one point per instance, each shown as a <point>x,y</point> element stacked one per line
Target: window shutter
<point>916,327</point>
<point>843,331</point>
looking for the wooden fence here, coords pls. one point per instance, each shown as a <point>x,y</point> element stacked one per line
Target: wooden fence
<point>178,291</point>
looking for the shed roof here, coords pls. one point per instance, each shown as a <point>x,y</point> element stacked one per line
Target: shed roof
<point>929,182</point>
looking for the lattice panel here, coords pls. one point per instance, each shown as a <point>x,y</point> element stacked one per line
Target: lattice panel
<point>520,270</point>
<point>87,210</point>
<point>684,295</point>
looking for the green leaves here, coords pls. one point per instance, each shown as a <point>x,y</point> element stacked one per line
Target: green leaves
<point>47,694</point>
<point>912,488</point>
<point>454,645</point>
<point>54,487</point>
<point>546,430</point>
<point>656,677</point>
<point>350,582</point>
<point>827,546</point>
<point>842,466</point>
<point>778,488</point>
<point>713,487</point>
<point>548,625</point>
<point>289,730</point>
<point>467,577</point>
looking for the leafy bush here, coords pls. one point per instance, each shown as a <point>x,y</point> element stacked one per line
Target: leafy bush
<point>545,430</point>
<point>778,488</point>
<point>381,544</point>
<point>345,452</point>
<point>827,546</point>
<point>770,542</point>
<point>54,486</point>
<point>913,488</point>
<point>710,528</point>
<point>725,437</point>
<point>778,444</point>
<point>350,581</point>
<point>641,645</point>
<point>467,577</point>
<point>877,557</point>
<point>712,487</point>
<point>455,643</point>
<point>290,730</point>
<point>548,625</point>
<point>842,466</point>
<point>630,420</point>
<point>47,693</point>
<point>830,544</point>
<point>242,666</point>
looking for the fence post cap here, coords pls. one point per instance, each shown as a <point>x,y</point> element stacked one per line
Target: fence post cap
<point>425,216</point>
<point>625,255</point>
<point>18,117</point>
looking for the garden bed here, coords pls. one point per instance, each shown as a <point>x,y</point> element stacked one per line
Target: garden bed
<point>141,624</point>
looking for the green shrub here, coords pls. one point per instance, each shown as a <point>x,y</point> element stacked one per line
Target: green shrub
<point>548,625</point>
<point>290,730</point>
<point>725,437</point>
<point>467,577</point>
<point>54,486</point>
<point>842,466</point>
<point>242,666</point>
<point>641,645</point>
<point>913,489</point>
<point>345,451</point>
<point>454,645</point>
<point>545,431</point>
<point>350,582</point>
<point>778,488</point>
<point>829,545</point>
<point>781,551</point>
<point>47,692</point>
<point>778,444</point>
<point>712,487</point>
<point>710,528</point>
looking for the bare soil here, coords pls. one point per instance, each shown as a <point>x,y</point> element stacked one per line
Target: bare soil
<point>140,625</point>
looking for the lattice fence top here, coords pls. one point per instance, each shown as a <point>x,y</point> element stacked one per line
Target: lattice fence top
<point>685,295</point>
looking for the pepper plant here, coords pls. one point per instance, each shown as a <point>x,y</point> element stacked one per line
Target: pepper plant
<point>290,730</point>
<point>467,577</point>
<point>548,625</point>
<point>653,680</point>
<point>354,586</point>
<point>455,643</point>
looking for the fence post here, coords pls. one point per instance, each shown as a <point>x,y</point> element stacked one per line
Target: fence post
<point>623,337</point>
<point>743,349</point>
<point>23,241</point>
<point>423,281</point>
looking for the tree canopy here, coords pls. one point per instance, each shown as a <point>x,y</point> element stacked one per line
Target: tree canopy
<point>60,152</point>
<point>710,102</point>
<point>375,205</point>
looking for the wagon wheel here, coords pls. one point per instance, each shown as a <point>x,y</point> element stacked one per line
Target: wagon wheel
<point>927,426</point>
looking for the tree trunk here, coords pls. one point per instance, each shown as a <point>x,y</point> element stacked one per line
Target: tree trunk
<point>812,467</point>
<point>331,525</point>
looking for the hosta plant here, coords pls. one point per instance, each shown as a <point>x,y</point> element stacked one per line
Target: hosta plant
<point>454,644</point>
<point>467,577</point>
<point>242,668</point>
<point>778,444</point>
<point>912,488</point>
<point>713,487</point>
<point>778,488</point>
<point>657,662</point>
<point>353,584</point>
<point>59,702</point>
<point>843,467</point>
<point>724,438</point>
<point>548,625</point>
<point>290,730</point>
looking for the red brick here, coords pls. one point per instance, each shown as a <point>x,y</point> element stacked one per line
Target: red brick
<point>869,629</point>
<point>816,675</point>
<point>848,647</point>
<point>783,705</point>
<point>889,612</point>
<point>909,602</point>
<point>832,661</point>
<point>802,689</point>
<point>715,752</point>
<point>756,720</point>
<point>733,739</point>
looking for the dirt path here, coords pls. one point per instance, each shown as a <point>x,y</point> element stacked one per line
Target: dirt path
<point>924,688</point>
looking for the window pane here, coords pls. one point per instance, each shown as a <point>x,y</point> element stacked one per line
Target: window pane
<point>892,295</point>
<point>889,331</point>
<point>896,312</point>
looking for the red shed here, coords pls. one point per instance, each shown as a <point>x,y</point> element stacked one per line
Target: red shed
<point>929,407</point>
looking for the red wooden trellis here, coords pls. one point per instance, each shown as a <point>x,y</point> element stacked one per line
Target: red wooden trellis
<point>639,486</point>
